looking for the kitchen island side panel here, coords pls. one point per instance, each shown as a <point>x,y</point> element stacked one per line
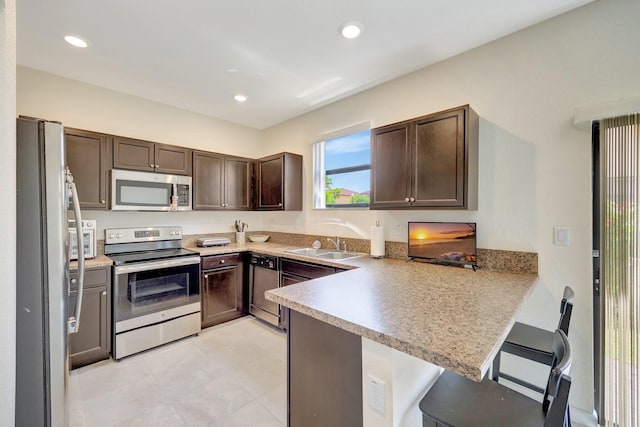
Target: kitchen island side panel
<point>324,374</point>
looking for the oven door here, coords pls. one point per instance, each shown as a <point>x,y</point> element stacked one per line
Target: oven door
<point>151,292</point>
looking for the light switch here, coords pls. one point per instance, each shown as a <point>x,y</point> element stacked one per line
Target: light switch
<point>561,236</point>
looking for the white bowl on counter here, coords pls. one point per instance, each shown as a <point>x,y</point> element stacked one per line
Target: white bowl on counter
<point>258,238</point>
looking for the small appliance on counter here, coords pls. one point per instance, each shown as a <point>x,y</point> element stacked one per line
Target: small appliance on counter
<point>212,241</point>
<point>89,228</point>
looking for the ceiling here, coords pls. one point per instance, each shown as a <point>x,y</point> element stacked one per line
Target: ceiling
<point>287,56</point>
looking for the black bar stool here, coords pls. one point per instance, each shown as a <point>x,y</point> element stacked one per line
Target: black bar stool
<point>533,343</point>
<point>456,401</point>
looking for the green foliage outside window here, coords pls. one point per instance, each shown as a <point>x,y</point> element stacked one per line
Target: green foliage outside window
<point>360,198</point>
<point>331,194</point>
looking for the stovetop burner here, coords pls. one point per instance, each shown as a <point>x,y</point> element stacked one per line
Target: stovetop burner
<point>131,257</point>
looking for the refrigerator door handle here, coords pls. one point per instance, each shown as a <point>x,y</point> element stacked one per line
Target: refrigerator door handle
<point>73,323</point>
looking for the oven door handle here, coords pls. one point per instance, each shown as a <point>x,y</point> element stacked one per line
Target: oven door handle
<point>156,265</point>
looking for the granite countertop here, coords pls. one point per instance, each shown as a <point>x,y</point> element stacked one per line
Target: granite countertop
<point>99,261</point>
<point>274,249</point>
<point>452,317</point>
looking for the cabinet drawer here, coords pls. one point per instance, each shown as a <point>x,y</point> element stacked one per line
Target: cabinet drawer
<point>220,261</point>
<point>311,271</point>
<point>93,277</point>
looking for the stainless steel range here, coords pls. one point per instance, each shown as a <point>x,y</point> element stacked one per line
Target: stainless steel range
<point>156,288</point>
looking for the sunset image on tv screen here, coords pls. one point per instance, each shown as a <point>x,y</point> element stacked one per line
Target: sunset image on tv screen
<point>444,241</point>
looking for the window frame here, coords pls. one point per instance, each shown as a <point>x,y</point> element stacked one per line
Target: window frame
<point>320,172</point>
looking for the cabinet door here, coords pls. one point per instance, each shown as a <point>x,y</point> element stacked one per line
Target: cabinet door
<point>133,154</point>
<point>208,181</point>
<point>270,183</point>
<point>91,343</point>
<point>237,183</point>
<point>391,166</point>
<point>221,295</point>
<point>438,160</point>
<point>88,155</point>
<point>292,181</point>
<point>172,159</point>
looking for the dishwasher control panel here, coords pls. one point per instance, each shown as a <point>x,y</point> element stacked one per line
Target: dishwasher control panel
<point>264,261</point>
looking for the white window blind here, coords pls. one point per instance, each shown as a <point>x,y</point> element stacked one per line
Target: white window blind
<point>620,258</point>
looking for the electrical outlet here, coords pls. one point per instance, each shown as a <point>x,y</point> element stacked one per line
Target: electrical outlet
<point>377,394</point>
<point>397,230</point>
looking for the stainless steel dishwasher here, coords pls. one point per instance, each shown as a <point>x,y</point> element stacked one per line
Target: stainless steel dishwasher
<point>263,275</point>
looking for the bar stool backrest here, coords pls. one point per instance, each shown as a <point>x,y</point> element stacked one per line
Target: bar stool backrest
<point>566,306</point>
<point>559,381</point>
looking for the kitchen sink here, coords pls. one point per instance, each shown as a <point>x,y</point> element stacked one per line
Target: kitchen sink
<point>309,251</point>
<point>339,255</point>
<point>324,253</point>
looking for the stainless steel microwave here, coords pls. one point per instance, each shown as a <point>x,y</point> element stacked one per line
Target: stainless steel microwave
<point>146,191</point>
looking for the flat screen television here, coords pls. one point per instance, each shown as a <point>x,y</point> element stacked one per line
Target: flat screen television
<point>443,242</point>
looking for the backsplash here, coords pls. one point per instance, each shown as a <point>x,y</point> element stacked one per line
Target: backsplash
<point>488,259</point>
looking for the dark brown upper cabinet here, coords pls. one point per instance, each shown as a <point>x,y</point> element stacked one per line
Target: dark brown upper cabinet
<point>279,182</point>
<point>149,156</point>
<point>429,162</point>
<point>221,182</point>
<point>88,155</point>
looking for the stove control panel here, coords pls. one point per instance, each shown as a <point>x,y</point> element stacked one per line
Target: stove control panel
<point>141,234</point>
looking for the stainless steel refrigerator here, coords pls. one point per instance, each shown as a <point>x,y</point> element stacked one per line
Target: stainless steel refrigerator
<point>42,274</point>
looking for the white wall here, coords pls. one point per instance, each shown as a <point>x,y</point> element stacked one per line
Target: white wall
<point>7,216</point>
<point>85,106</point>
<point>534,170</point>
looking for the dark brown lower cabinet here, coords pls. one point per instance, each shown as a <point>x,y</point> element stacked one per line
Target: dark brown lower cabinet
<point>92,342</point>
<point>222,289</point>
<point>324,374</point>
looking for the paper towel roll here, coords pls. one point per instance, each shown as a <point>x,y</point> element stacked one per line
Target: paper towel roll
<point>377,241</point>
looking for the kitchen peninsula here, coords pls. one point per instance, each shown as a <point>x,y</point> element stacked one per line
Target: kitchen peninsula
<point>403,320</point>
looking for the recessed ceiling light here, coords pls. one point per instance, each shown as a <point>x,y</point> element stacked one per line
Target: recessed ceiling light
<point>75,41</point>
<point>240,97</point>
<point>350,30</point>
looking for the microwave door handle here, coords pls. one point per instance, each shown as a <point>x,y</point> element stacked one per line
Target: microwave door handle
<point>73,323</point>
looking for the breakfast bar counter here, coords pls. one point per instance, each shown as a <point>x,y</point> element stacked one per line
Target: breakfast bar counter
<point>455,318</point>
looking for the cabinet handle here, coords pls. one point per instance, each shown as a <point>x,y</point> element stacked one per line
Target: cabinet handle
<point>152,165</point>
<point>221,261</point>
<point>279,204</point>
<point>103,201</point>
<point>74,281</point>
<point>157,166</point>
<point>104,293</point>
<point>206,276</point>
<point>406,199</point>
<point>413,199</point>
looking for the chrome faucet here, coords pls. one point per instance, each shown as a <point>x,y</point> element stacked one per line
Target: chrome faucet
<point>335,242</point>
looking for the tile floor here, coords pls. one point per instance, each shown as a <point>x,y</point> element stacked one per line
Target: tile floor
<point>232,374</point>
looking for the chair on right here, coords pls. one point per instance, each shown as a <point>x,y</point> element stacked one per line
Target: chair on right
<point>456,401</point>
<point>533,343</point>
